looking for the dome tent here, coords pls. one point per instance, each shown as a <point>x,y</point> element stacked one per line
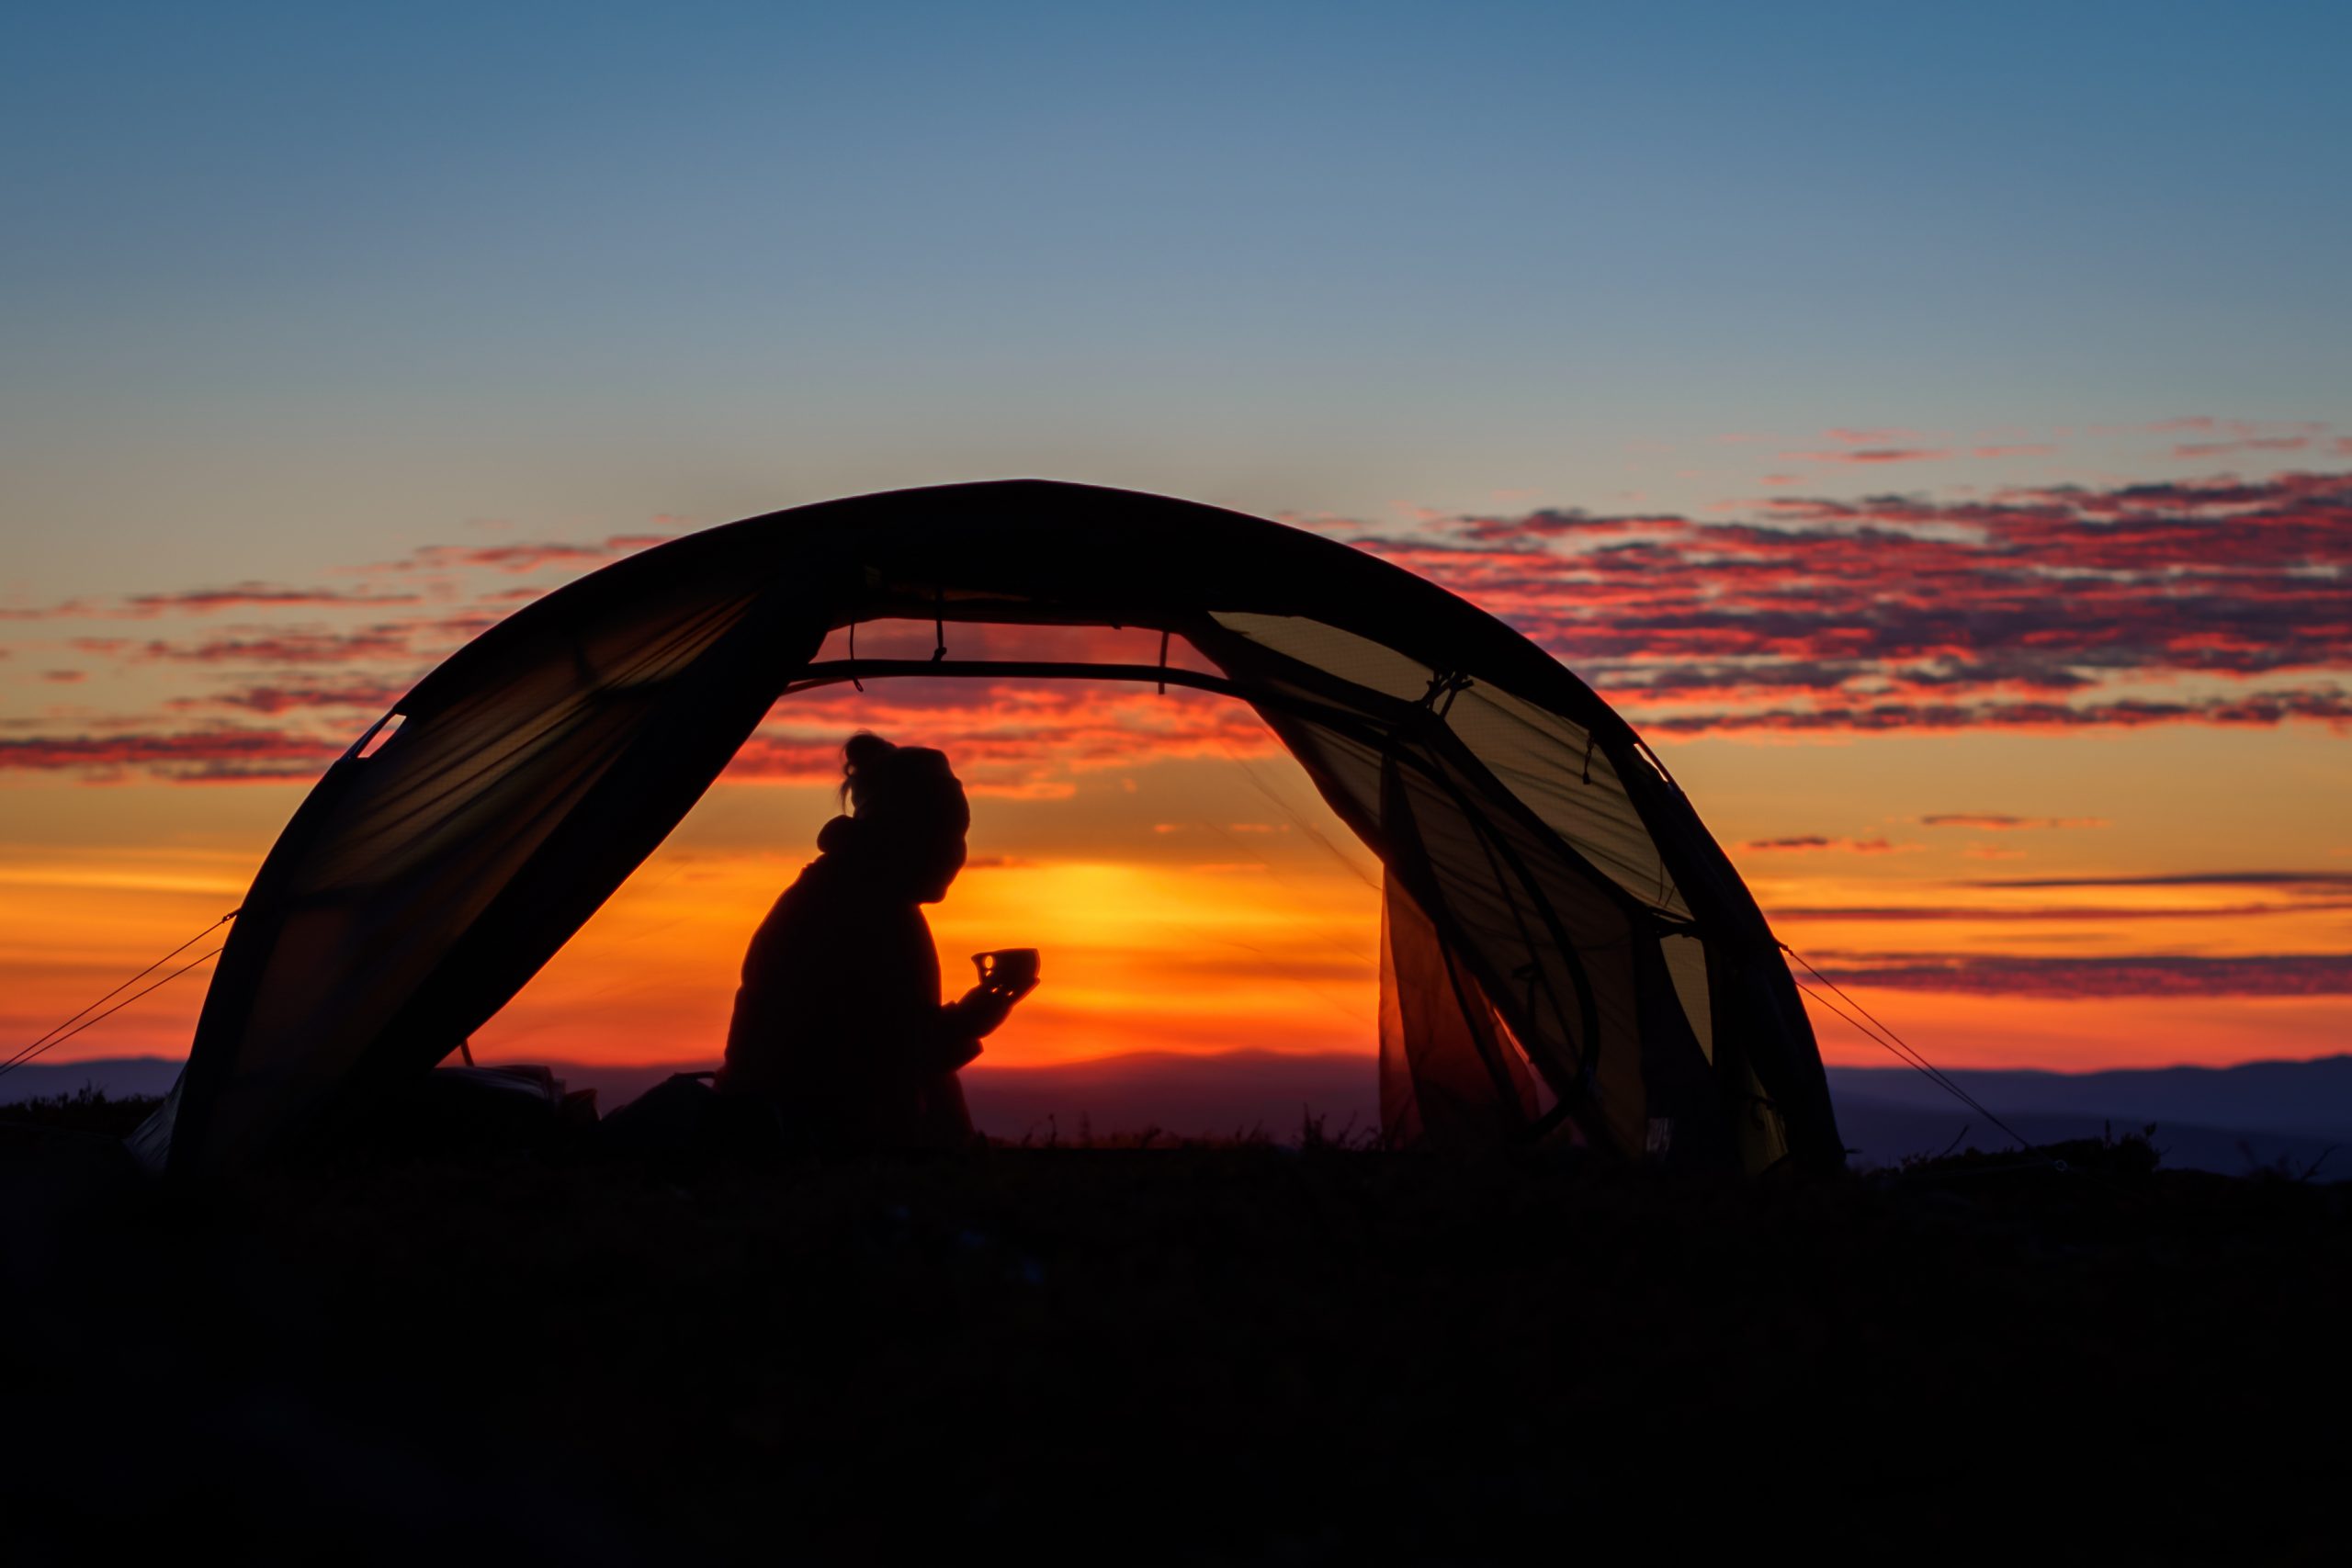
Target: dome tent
<point>1565,955</point>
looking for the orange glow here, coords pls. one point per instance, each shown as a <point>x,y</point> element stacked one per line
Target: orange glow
<point>1137,957</point>
<point>1199,897</point>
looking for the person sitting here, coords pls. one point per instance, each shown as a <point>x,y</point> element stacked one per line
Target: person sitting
<point>838,1023</point>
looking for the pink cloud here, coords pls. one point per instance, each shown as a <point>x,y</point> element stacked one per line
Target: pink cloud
<point>2249,444</point>
<point>1887,436</point>
<point>1871,455</point>
<point>521,557</point>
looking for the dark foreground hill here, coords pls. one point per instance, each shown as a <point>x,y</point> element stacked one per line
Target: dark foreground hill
<point>2297,1115</point>
<point>1240,1354</point>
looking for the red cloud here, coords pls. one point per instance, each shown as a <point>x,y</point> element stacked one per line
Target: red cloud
<point>1005,737</point>
<point>2020,611</point>
<point>1807,841</point>
<point>2028,609</point>
<point>203,601</point>
<point>2325,883</point>
<point>2262,709</point>
<point>2062,979</point>
<point>365,694</point>
<point>189,757</point>
<point>2062,913</point>
<point>1995,821</point>
<point>255,595</point>
<point>303,650</point>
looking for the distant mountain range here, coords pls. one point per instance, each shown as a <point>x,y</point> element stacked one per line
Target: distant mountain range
<point>2292,1114</point>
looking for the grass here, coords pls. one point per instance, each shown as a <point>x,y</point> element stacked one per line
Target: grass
<point>1234,1352</point>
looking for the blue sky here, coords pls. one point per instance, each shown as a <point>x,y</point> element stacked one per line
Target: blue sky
<point>314,281</point>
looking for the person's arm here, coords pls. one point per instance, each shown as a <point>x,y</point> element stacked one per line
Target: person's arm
<point>977,1014</point>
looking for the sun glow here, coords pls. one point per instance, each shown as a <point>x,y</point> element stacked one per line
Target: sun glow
<point>1274,952</point>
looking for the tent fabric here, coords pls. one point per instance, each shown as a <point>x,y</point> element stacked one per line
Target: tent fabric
<point>1565,955</point>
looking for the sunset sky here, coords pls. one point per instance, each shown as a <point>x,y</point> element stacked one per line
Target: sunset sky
<point>1933,433</point>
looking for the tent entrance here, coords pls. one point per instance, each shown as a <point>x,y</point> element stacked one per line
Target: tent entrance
<point>1430,970</point>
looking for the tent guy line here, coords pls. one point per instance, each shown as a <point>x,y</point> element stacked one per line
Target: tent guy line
<point>35,1050</point>
<point>65,1031</point>
<point>1902,1050</point>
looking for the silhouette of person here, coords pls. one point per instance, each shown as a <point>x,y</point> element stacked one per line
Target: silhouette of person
<point>838,1023</point>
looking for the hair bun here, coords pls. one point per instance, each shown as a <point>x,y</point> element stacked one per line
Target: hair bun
<point>863,750</point>
<point>900,781</point>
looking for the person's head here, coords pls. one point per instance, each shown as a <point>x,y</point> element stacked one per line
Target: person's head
<point>908,814</point>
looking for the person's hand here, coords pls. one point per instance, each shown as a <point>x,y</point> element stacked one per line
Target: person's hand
<point>982,1007</point>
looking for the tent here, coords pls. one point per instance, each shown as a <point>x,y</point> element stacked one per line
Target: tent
<point>1566,957</point>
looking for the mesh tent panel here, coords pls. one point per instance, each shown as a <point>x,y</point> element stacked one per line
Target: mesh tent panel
<point>416,841</point>
<point>1522,743</point>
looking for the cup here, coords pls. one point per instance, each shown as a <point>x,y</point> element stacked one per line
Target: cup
<point>1011,969</point>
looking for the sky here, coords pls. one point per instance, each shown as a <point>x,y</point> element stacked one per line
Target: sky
<point>1927,424</point>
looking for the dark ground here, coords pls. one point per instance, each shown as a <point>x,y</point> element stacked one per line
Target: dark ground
<point>1238,1354</point>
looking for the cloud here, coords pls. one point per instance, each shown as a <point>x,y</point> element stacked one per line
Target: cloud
<point>1871,455</point>
<point>2222,602</point>
<point>2000,822</point>
<point>2320,882</point>
<point>2250,444</point>
<point>2063,979</point>
<point>2098,914</point>
<point>205,601</point>
<point>2259,709</point>
<point>255,596</point>
<point>2206,425</point>
<point>521,557</point>
<point>2020,449</point>
<point>2047,607</point>
<point>297,648</point>
<point>1812,841</point>
<point>366,695</point>
<point>191,756</point>
<point>1006,737</point>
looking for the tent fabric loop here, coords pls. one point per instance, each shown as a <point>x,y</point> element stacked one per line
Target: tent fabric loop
<point>1444,687</point>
